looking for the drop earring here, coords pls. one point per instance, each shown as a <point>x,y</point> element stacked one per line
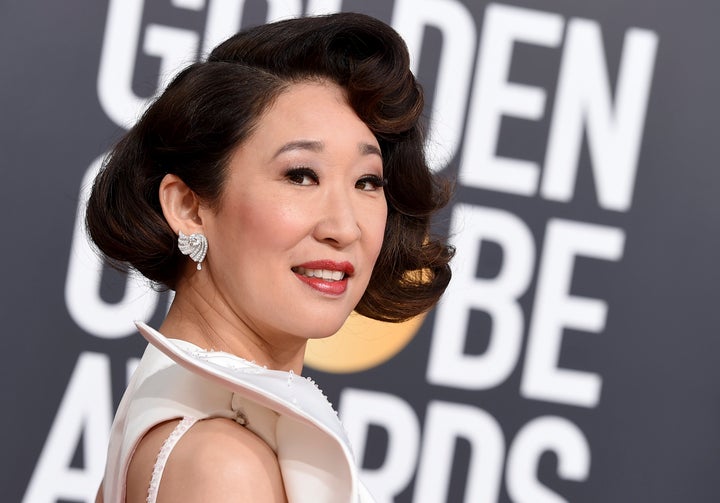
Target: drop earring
<point>195,246</point>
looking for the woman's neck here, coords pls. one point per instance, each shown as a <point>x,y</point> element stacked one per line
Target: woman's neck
<point>213,326</point>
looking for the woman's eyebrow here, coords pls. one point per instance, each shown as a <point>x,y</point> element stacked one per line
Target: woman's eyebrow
<point>369,149</point>
<point>313,146</point>
<point>318,146</point>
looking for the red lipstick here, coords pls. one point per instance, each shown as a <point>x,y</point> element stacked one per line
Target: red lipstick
<point>336,284</point>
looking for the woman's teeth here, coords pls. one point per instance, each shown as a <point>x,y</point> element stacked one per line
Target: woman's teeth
<point>325,274</point>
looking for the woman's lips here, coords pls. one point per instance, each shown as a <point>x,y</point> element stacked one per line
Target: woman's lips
<point>326,276</point>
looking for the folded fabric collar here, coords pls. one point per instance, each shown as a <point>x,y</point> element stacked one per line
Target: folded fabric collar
<point>284,392</point>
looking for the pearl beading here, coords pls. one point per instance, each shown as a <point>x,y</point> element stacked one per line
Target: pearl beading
<point>162,457</point>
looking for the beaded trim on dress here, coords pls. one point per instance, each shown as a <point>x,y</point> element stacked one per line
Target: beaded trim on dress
<point>162,457</point>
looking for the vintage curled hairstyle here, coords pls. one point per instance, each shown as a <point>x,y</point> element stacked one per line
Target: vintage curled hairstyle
<point>211,107</point>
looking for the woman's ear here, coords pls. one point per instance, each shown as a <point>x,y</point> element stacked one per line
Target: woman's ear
<point>180,205</point>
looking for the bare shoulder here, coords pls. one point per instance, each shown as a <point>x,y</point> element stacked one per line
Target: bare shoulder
<point>216,460</point>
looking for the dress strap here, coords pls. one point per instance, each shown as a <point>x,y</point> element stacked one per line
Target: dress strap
<point>162,457</point>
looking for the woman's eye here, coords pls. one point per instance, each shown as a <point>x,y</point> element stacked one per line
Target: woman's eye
<point>302,176</point>
<point>370,183</point>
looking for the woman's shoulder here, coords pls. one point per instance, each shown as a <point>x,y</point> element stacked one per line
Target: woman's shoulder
<point>216,460</point>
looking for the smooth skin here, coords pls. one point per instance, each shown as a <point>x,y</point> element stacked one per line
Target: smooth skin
<point>217,460</point>
<point>305,187</point>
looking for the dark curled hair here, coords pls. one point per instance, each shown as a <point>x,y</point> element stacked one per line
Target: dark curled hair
<point>211,107</point>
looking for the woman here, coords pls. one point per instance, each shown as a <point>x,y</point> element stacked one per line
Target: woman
<point>275,187</point>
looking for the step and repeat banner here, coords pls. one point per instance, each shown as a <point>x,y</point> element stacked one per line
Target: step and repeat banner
<point>576,354</point>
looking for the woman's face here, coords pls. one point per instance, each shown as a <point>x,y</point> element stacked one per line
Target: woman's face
<point>301,219</point>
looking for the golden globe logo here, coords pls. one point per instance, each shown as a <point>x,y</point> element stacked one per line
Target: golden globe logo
<point>361,344</point>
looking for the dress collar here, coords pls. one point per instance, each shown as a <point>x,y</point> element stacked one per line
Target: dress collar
<point>283,392</point>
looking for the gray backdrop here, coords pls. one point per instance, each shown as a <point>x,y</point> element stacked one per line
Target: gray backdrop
<point>573,358</point>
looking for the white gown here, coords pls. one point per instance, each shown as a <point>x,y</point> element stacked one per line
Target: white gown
<point>176,379</point>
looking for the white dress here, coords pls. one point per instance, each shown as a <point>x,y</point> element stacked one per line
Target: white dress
<point>176,379</point>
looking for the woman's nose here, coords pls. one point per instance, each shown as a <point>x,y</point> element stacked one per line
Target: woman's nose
<point>337,220</point>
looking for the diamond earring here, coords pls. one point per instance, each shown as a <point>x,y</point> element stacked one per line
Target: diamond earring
<point>195,246</point>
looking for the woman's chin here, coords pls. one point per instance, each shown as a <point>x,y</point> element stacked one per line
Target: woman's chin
<point>327,330</point>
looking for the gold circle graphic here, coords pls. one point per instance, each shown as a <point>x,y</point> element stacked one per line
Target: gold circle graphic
<point>361,343</point>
